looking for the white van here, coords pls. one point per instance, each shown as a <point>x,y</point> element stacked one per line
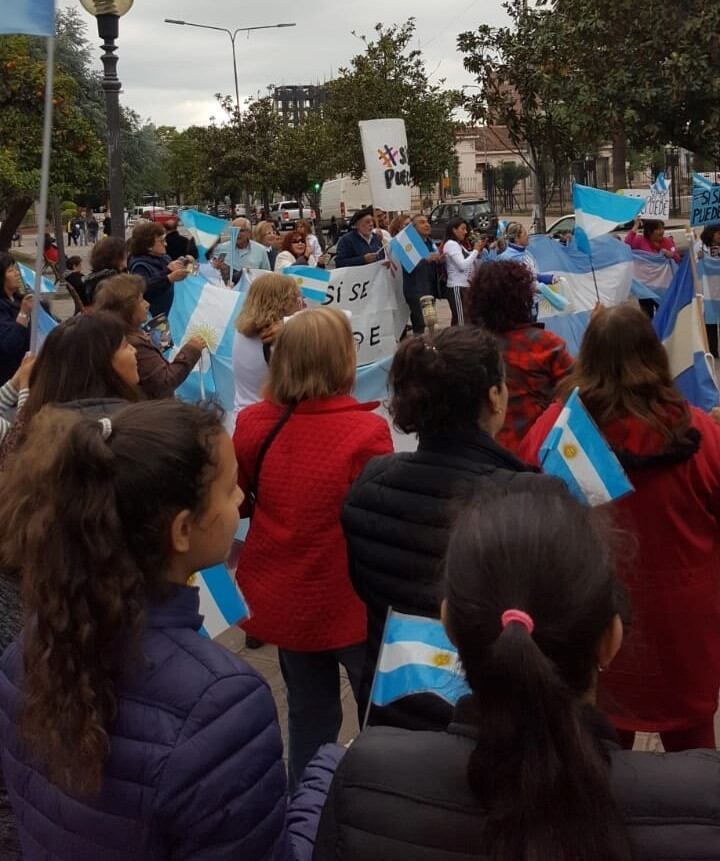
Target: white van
<point>341,198</point>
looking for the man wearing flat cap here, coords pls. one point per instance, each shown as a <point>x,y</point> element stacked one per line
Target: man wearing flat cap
<point>360,245</point>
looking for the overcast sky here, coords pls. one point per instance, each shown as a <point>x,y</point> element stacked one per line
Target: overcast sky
<point>170,73</point>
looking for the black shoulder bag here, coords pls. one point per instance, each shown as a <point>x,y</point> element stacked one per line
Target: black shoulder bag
<point>267,442</point>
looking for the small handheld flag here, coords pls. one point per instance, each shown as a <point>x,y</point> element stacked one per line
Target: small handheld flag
<point>576,452</point>
<point>409,248</point>
<point>416,658</point>
<point>598,212</point>
<point>222,604</point>
<point>205,229</point>
<point>312,281</point>
<point>29,17</point>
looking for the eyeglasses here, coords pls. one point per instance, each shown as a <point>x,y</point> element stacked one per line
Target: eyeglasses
<point>298,242</point>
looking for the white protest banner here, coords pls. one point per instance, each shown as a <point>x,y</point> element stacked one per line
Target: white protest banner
<point>657,203</point>
<point>374,297</point>
<point>385,150</point>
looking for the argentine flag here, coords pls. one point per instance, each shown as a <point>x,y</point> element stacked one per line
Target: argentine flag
<point>576,452</point>
<point>598,212</point>
<point>409,248</point>
<point>416,658</point>
<point>222,604</point>
<point>661,184</point>
<point>654,272</point>
<point>205,229</point>
<point>709,272</point>
<point>680,326</point>
<point>200,308</point>
<point>312,281</point>
<point>28,277</point>
<point>31,17</point>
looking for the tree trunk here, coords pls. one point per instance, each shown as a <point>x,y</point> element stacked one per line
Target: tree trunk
<point>300,204</point>
<point>619,157</point>
<point>539,194</point>
<point>15,214</point>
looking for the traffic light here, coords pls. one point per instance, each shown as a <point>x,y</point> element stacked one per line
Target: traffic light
<point>316,186</point>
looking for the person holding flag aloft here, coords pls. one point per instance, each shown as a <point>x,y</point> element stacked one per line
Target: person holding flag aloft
<point>653,239</point>
<point>517,250</point>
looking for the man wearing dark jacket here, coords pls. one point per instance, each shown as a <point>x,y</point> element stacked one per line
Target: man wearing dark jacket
<point>361,245</point>
<point>177,244</point>
<point>424,280</point>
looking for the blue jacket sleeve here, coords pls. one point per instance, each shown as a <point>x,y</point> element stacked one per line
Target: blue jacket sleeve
<point>155,285</point>
<point>309,799</point>
<point>545,277</point>
<point>344,255</point>
<point>14,339</point>
<point>223,793</point>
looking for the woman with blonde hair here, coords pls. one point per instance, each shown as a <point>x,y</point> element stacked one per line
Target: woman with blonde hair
<point>271,297</point>
<point>667,673</point>
<point>267,236</point>
<point>122,295</point>
<point>298,452</point>
<point>400,222</point>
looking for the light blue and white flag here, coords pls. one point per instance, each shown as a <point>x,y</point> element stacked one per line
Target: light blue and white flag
<point>680,326</point>
<point>654,272</point>
<point>501,228</point>
<point>30,17</point>
<point>661,184</point>
<point>312,281</point>
<point>613,264</point>
<point>705,206</point>
<point>200,308</point>
<point>222,604</point>
<point>598,212</point>
<point>709,273</point>
<point>577,452</point>
<point>409,248</point>
<point>205,229</point>
<point>416,657</point>
<point>28,277</point>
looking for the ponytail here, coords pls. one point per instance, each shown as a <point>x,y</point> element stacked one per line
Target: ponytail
<point>537,770</point>
<point>85,518</point>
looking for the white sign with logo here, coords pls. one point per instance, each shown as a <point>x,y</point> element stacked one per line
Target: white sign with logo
<point>385,150</point>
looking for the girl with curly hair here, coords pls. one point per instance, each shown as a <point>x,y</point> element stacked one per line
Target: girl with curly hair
<point>125,733</point>
<point>501,298</point>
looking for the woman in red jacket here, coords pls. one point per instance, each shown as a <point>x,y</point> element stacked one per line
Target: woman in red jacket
<point>667,674</point>
<point>298,452</point>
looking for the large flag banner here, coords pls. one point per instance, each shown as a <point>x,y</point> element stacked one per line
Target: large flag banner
<point>709,273</point>
<point>409,248</point>
<point>679,324</point>
<point>200,308</point>
<point>576,452</point>
<point>385,150</point>
<point>416,657</point>
<point>222,604</point>
<point>30,17</point>
<point>705,206</point>
<point>205,229</point>
<point>598,212</point>
<point>655,272</point>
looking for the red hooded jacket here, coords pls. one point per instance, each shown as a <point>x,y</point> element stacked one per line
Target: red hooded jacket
<point>667,673</point>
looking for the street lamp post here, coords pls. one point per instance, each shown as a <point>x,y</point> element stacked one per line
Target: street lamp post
<point>233,35</point>
<point>108,14</point>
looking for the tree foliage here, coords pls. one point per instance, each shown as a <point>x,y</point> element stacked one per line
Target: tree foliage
<point>390,80</point>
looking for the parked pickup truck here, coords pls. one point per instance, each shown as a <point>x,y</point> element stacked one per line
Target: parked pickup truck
<point>286,213</point>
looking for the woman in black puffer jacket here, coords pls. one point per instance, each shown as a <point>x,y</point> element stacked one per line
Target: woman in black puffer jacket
<point>450,390</point>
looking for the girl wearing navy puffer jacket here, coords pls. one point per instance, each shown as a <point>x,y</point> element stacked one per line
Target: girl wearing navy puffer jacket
<point>126,734</point>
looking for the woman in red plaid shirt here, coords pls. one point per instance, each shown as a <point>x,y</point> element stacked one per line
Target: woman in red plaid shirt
<point>501,298</point>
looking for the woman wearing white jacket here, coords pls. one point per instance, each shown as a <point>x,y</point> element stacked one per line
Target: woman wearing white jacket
<point>460,263</point>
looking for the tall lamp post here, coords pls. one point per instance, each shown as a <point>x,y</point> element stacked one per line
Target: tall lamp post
<point>108,14</point>
<point>233,35</point>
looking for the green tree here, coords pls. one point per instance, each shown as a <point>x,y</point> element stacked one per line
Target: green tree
<point>525,77</point>
<point>390,80</point>
<point>78,155</point>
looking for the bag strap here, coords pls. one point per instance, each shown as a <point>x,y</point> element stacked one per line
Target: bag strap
<point>267,442</point>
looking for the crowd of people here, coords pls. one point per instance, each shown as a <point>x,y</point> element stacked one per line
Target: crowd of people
<point>126,733</point>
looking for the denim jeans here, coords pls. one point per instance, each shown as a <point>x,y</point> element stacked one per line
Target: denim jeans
<point>313,694</point>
